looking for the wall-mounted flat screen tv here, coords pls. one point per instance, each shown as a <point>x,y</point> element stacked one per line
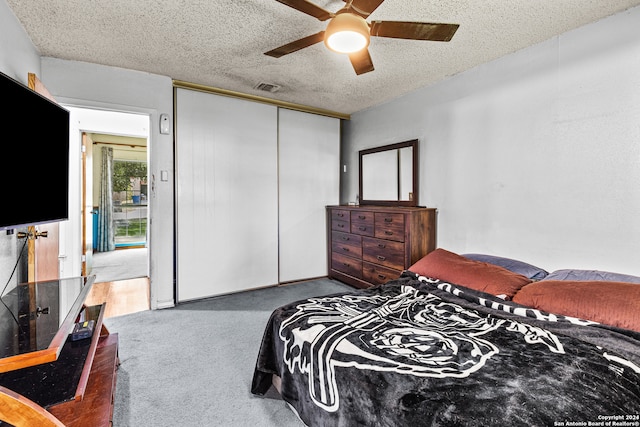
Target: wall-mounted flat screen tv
<point>35,151</point>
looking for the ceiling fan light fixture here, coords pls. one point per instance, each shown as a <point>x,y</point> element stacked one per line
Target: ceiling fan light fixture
<point>347,33</point>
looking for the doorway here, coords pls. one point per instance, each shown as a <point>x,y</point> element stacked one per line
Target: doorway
<point>122,179</point>
<point>126,135</point>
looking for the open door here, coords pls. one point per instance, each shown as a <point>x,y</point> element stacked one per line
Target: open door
<point>43,245</point>
<point>87,205</point>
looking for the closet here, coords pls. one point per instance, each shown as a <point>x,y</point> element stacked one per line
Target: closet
<point>252,183</point>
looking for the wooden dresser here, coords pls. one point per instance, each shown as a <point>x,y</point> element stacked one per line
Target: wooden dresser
<point>370,245</point>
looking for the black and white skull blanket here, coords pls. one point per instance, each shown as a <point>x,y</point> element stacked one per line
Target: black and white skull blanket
<point>422,352</point>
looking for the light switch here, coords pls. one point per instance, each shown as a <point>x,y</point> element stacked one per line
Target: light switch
<point>164,175</point>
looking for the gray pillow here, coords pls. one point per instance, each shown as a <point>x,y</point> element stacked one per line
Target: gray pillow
<point>591,275</point>
<point>519,267</point>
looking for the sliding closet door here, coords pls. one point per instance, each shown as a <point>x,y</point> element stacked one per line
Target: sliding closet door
<point>309,154</point>
<point>227,195</point>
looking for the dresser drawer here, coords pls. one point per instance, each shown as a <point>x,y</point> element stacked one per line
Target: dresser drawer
<point>389,226</point>
<point>340,225</point>
<point>346,244</point>
<point>346,264</point>
<point>340,215</point>
<point>385,252</point>
<point>377,274</point>
<point>362,223</point>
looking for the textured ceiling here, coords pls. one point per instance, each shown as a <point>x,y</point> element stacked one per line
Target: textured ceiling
<point>220,43</point>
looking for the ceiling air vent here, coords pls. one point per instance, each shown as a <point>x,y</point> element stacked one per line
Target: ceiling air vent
<point>267,87</point>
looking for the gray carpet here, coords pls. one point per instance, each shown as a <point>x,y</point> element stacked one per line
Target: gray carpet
<point>120,264</point>
<point>192,365</point>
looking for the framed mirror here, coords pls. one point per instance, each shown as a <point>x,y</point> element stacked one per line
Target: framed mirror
<point>389,175</point>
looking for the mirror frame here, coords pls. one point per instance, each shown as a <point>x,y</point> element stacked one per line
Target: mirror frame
<point>414,202</point>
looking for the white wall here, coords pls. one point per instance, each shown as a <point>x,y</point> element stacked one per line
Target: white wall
<point>534,156</point>
<point>99,87</point>
<point>18,56</point>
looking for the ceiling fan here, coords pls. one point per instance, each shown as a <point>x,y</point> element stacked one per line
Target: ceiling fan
<point>349,32</point>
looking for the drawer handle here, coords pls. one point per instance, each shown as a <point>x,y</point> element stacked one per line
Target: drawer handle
<point>340,225</point>
<point>340,215</point>
<point>346,264</point>
<point>388,220</point>
<point>345,238</point>
<point>345,249</point>
<point>381,258</point>
<point>382,276</point>
<point>362,228</point>
<point>362,217</point>
<point>388,233</point>
<point>382,245</point>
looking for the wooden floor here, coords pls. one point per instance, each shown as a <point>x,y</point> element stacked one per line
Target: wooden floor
<point>122,296</point>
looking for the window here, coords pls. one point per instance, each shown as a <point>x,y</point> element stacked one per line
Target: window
<point>130,202</point>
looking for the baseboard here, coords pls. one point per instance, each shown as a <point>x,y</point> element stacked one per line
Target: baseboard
<point>164,304</point>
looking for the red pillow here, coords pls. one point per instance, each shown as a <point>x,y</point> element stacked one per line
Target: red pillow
<point>458,270</point>
<point>609,303</point>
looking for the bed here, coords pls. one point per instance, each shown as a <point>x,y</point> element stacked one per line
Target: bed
<point>461,341</point>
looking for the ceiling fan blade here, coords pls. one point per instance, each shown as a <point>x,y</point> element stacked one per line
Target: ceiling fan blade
<point>364,8</point>
<point>413,30</point>
<point>361,61</point>
<point>309,8</point>
<point>296,45</point>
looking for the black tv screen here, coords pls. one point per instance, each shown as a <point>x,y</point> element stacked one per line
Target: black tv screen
<point>35,174</point>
